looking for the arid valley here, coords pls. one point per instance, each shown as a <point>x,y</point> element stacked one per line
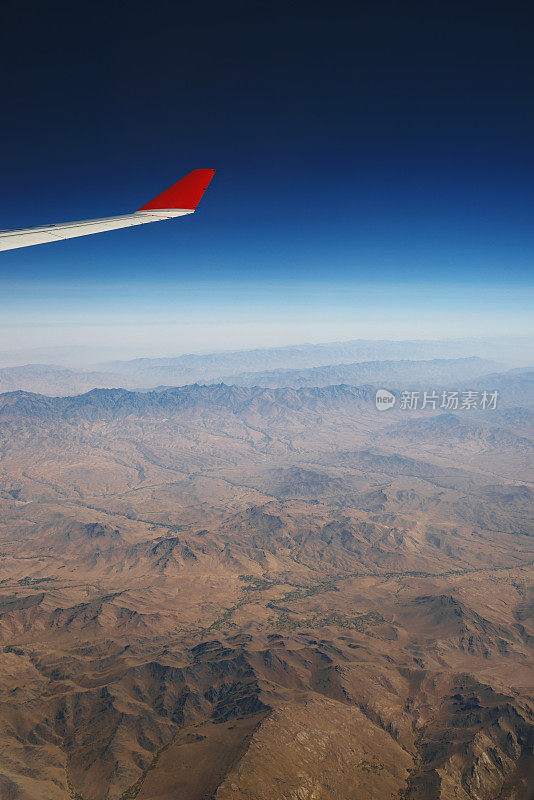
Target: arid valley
<point>267,400</point>
<point>243,592</point>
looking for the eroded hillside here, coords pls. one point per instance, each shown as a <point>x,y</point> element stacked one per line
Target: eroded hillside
<point>222,592</point>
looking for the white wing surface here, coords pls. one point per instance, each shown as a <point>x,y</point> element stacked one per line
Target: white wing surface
<point>182,198</point>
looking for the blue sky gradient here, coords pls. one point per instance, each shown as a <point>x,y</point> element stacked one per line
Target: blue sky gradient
<point>374,165</point>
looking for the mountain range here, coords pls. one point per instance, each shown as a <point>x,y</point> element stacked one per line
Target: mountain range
<point>222,591</point>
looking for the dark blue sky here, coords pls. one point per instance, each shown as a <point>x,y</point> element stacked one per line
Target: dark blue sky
<point>361,142</point>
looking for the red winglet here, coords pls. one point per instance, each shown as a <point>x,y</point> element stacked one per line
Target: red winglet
<point>185,194</point>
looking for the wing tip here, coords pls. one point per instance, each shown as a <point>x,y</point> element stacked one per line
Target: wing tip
<point>185,194</point>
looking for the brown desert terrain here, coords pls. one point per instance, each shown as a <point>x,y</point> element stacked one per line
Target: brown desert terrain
<point>235,593</point>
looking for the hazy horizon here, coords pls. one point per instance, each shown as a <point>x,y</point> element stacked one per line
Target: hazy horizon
<point>134,320</point>
<point>505,352</point>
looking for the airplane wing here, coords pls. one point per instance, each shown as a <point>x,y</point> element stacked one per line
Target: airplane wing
<point>180,199</point>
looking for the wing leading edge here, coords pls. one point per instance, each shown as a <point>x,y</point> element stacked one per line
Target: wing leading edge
<point>180,199</point>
